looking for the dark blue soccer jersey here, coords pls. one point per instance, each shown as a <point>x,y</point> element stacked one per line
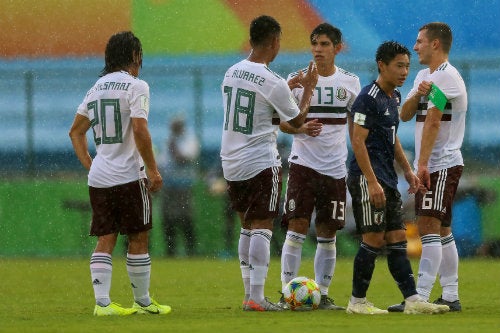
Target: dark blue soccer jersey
<point>377,112</point>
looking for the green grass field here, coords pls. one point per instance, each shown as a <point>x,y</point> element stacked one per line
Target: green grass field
<point>55,295</point>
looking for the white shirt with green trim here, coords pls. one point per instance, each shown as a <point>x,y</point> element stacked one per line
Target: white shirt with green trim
<point>252,94</point>
<point>109,105</point>
<point>332,100</point>
<point>446,151</point>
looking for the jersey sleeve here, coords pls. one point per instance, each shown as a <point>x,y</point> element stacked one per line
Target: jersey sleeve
<point>363,111</point>
<point>283,101</point>
<point>354,88</point>
<point>82,109</point>
<point>139,100</point>
<point>446,84</point>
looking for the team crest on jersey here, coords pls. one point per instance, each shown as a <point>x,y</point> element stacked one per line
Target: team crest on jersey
<point>341,93</point>
<point>378,217</point>
<point>291,205</point>
<point>144,103</point>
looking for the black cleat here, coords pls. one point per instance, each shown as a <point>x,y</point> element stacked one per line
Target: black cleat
<point>455,306</point>
<point>397,307</point>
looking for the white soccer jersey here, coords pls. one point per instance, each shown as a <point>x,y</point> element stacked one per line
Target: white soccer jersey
<point>446,151</point>
<point>251,94</point>
<point>333,98</point>
<point>109,105</point>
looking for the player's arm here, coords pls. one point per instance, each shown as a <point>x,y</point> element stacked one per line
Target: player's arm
<point>402,161</point>
<point>410,106</point>
<point>311,128</point>
<point>309,83</point>
<point>145,147</point>
<point>78,135</point>
<point>429,134</point>
<point>358,138</point>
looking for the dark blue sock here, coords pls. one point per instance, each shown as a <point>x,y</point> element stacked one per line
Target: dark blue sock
<point>364,264</point>
<point>400,268</point>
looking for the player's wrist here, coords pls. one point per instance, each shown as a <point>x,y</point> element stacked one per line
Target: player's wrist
<point>422,166</point>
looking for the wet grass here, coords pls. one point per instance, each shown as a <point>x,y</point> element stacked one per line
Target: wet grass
<point>55,295</point>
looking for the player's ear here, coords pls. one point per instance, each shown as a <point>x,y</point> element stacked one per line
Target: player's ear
<point>338,48</point>
<point>436,43</point>
<point>380,65</point>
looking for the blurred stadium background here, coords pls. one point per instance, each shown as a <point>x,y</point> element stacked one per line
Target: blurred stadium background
<point>52,51</point>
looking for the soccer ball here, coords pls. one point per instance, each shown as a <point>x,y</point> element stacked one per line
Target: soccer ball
<point>302,293</point>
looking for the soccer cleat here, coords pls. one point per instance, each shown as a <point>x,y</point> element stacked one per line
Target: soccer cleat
<point>266,305</point>
<point>113,309</point>
<point>454,306</point>
<point>397,307</point>
<point>282,303</point>
<point>423,307</point>
<point>364,307</point>
<point>153,308</point>
<point>245,301</point>
<point>327,303</point>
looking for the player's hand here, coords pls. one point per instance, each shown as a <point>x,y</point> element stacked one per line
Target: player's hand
<point>413,181</point>
<point>295,81</point>
<point>310,80</point>
<point>424,88</point>
<point>155,181</point>
<point>312,128</point>
<point>376,193</point>
<point>424,176</point>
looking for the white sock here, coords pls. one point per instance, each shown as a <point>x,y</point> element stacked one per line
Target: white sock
<point>291,256</point>
<point>259,262</point>
<point>243,254</point>
<point>139,273</point>
<point>430,261</point>
<point>324,263</point>
<point>355,300</point>
<point>448,270</point>
<point>101,267</point>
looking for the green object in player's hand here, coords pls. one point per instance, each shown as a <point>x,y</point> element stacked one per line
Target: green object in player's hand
<point>437,97</point>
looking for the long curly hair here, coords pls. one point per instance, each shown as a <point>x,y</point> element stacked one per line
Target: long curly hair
<point>120,51</point>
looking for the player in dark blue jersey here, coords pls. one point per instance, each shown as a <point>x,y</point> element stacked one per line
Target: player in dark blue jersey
<point>372,182</point>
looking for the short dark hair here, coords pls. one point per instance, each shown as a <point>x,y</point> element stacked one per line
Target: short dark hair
<point>262,29</point>
<point>387,51</point>
<point>120,51</point>
<point>333,33</point>
<point>440,31</point>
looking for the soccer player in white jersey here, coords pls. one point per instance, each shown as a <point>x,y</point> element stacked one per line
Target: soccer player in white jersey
<point>121,174</point>
<point>252,94</point>
<point>439,100</point>
<point>316,180</point>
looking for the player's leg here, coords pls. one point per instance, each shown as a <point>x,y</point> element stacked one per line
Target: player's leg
<point>448,270</point>
<point>297,211</point>
<point>101,264</point>
<point>238,200</point>
<point>396,244</point>
<point>101,268</point>
<point>432,209</point>
<point>372,231</point>
<point>431,256</point>
<point>291,254</point>
<point>244,256</point>
<point>330,217</point>
<point>263,209</point>
<point>135,205</point>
